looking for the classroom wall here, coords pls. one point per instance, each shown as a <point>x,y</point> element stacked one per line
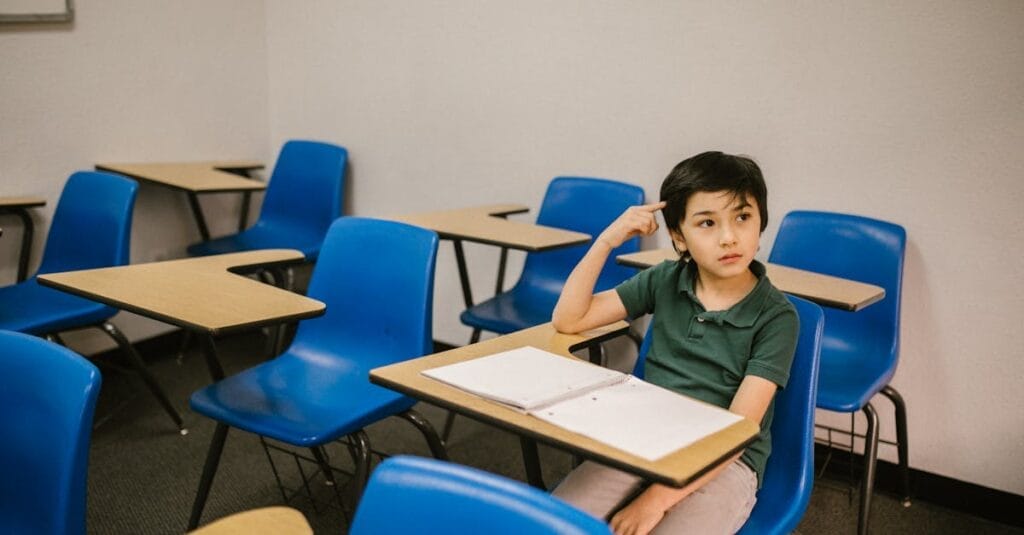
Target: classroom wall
<point>911,113</point>
<point>130,81</point>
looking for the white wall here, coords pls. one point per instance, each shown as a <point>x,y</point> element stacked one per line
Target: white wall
<point>130,81</point>
<point>910,113</point>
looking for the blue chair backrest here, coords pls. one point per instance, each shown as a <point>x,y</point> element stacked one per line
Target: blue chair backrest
<point>856,248</point>
<point>585,205</point>
<point>92,223</point>
<point>377,279</point>
<point>306,186</point>
<point>47,399</point>
<point>426,496</point>
<point>789,473</point>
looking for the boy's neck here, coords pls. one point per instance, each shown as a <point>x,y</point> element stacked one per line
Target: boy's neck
<point>721,294</point>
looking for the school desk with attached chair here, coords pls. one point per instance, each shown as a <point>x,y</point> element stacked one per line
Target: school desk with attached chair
<point>102,203</point>
<point>860,349</point>
<point>379,309</point>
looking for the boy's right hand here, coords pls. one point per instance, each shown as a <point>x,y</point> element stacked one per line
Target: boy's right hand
<point>635,221</point>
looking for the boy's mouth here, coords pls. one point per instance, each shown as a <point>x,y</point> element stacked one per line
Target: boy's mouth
<point>730,258</point>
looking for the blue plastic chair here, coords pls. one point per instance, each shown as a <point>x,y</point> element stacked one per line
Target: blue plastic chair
<point>860,349</point>
<point>48,397</point>
<point>376,278</point>
<point>789,473</point>
<point>417,495</point>
<point>585,205</point>
<point>303,198</point>
<point>91,229</point>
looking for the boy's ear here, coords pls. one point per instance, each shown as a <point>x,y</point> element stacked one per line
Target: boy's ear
<point>678,242</point>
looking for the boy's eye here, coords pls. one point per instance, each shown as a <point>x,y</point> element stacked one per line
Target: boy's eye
<point>744,216</point>
<point>705,223</point>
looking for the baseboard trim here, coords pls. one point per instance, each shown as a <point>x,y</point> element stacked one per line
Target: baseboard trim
<point>984,502</point>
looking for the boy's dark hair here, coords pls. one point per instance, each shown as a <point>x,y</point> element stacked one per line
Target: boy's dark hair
<point>712,171</point>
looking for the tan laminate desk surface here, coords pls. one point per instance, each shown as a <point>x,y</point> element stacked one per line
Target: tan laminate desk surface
<point>483,224</point>
<point>196,177</point>
<point>21,202</point>
<point>196,293</point>
<point>675,469</point>
<point>822,289</point>
<point>263,521</point>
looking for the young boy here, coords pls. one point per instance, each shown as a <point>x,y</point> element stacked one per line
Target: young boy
<point>722,334</point>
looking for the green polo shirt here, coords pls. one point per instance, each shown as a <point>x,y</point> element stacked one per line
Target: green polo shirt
<point>705,354</point>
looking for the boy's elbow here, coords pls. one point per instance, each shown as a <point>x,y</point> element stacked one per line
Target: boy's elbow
<point>563,324</point>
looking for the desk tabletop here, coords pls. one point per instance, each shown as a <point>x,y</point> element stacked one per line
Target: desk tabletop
<point>676,469</point>
<point>195,293</point>
<point>484,224</point>
<point>263,521</point>
<point>21,202</point>
<point>195,177</point>
<point>822,289</point>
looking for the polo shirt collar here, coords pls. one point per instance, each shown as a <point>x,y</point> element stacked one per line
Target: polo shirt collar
<point>742,314</point>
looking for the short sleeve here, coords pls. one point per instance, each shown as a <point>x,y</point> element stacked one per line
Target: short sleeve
<point>774,345</point>
<point>637,293</point>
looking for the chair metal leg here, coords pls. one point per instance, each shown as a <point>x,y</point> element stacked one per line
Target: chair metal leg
<point>325,466</point>
<point>437,448</point>
<point>140,367</point>
<point>902,446</point>
<point>220,435</point>
<point>870,459</point>
<point>361,446</point>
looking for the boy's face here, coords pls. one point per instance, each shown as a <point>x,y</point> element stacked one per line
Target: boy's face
<point>721,231</point>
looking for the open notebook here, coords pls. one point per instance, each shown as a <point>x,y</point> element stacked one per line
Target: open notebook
<point>609,406</point>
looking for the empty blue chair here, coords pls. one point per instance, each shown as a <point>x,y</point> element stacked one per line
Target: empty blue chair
<point>789,473</point>
<point>91,228</point>
<point>376,278</point>
<point>303,197</point>
<point>47,397</point>
<point>416,495</point>
<point>585,205</point>
<point>859,349</point>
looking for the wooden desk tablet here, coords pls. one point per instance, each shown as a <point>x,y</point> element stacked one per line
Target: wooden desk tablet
<point>199,294</point>
<point>19,206</point>
<point>487,224</point>
<point>676,469</point>
<point>195,178</point>
<point>825,290</point>
<point>264,521</point>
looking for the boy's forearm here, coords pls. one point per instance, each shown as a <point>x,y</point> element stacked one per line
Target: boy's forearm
<point>578,291</point>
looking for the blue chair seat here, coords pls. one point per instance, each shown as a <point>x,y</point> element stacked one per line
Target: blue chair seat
<point>337,400</point>
<point>263,236</point>
<point>41,310</point>
<point>515,310</point>
<point>849,378</point>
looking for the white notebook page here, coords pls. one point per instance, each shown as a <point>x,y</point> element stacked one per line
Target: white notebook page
<point>525,377</point>
<point>638,417</point>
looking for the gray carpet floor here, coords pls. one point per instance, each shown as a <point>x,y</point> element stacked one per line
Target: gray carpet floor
<point>143,474</point>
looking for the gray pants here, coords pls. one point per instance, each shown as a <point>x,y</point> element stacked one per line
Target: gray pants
<point>720,506</point>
